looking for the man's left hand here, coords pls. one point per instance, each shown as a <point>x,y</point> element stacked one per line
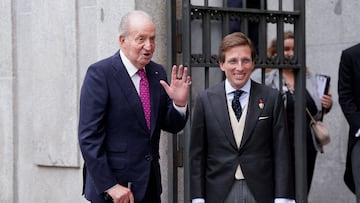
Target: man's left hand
<point>178,90</point>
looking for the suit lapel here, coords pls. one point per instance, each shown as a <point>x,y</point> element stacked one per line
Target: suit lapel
<point>218,102</point>
<point>127,87</point>
<point>153,78</point>
<point>254,110</point>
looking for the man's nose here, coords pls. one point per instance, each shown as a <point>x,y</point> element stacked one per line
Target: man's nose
<point>239,66</point>
<point>290,53</point>
<point>147,44</point>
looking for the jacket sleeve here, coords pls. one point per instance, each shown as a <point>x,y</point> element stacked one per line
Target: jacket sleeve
<point>284,181</point>
<point>346,90</point>
<point>197,153</point>
<point>91,134</point>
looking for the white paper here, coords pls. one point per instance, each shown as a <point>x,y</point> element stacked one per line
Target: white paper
<point>321,81</point>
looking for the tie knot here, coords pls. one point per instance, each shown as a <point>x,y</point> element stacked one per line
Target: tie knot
<point>237,94</point>
<point>141,73</point>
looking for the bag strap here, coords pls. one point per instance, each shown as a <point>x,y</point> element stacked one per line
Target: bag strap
<point>311,117</point>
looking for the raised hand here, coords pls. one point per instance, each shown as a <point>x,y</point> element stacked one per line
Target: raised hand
<point>178,90</point>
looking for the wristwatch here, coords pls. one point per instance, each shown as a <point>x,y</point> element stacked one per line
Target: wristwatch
<point>107,196</point>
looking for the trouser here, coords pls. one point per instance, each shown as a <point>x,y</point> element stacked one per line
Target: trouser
<point>355,163</point>
<point>240,193</point>
<point>151,195</point>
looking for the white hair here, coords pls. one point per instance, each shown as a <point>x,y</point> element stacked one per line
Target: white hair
<point>125,21</point>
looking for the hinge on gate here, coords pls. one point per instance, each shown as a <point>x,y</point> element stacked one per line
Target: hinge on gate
<point>179,136</point>
<point>178,36</point>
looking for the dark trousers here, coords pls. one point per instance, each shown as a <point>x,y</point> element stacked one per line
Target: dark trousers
<point>151,195</point>
<point>355,162</point>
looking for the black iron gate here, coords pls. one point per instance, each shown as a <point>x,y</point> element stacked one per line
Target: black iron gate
<point>195,35</point>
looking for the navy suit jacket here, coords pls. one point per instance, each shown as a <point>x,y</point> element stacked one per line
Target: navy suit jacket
<point>114,140</point>
<point>264,153</point>
<point>349,100</point>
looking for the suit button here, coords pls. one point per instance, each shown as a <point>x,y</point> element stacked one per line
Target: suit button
<point>148,157</point>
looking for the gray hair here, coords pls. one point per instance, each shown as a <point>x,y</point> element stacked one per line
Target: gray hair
<point>125,21</point>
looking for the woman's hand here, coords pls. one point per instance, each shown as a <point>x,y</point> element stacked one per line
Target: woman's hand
<point>326,101</point>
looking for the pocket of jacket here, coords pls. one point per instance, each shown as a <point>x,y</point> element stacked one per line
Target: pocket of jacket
<point>263,117</point>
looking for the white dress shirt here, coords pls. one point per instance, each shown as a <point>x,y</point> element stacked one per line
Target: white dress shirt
<point>357,133</point>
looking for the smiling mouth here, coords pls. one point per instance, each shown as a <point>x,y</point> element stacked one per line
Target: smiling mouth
<point>239,75</point>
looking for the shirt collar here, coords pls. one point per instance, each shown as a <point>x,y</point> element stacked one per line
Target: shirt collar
<point>131,69</point>
<point>230,89</point>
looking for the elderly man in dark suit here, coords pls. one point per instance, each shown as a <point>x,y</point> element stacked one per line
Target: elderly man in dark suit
<point>239,146</point>
<point>349,100</point>
<point>125,102</point>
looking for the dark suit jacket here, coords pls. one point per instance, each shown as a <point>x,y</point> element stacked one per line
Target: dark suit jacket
<point>349,100</point>
<point>114,140</point>
<point>264,153</point>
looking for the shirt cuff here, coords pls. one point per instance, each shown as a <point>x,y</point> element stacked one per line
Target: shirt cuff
<point>181,110</point>
<point>110,188</point>
<point>198,200</point>
<point>358,133</point>
<point>283,200</point>
<point>277,200</point>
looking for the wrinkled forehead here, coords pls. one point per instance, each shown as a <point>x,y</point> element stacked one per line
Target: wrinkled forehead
<point>140,22</point>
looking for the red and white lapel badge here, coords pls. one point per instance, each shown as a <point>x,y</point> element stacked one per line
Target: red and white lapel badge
<point>261,103</point>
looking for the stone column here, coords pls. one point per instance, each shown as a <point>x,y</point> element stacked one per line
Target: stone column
<point>7,137</point>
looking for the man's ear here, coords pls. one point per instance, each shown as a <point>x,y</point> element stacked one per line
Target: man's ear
<point>221,65</point>
<point>121,39</point>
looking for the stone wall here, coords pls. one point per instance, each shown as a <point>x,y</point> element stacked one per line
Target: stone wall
<point>7,140</point>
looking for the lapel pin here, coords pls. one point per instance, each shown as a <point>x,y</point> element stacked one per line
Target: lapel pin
<point>261,103</point>
<point>156,72</point>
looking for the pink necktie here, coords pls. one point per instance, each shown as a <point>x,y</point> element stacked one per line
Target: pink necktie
<point>145,95</point>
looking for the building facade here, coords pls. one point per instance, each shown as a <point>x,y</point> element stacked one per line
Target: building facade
<point>46,47</point>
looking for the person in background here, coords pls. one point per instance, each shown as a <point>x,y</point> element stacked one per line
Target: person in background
<point>316,104</point>
<point>125,102</point>
<point>239,143</point>
<point>349,100</point>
